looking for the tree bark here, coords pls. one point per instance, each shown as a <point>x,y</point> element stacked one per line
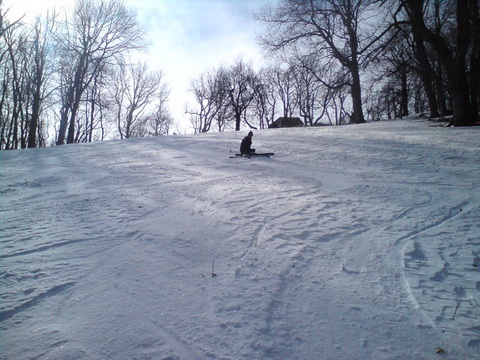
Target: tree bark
<point>454,64</point>
<point>358,117</point>
<point>32,134</point>
<point>426,72</point>
<point>404,92</point>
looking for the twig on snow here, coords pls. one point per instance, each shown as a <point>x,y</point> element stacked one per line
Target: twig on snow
<point>376,297</point>
<point>213,269</point>
<point>456,308</point>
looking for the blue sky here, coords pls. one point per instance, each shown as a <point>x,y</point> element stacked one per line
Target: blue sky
<point>187,37</point>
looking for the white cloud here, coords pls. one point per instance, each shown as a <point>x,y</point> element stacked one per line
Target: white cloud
<point>192,36</point>
<point>31,8</point>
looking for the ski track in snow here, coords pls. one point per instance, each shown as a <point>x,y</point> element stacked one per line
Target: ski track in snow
<point>353,244</point>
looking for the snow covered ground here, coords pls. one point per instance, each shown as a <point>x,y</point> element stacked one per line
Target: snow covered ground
<point>353,242</point>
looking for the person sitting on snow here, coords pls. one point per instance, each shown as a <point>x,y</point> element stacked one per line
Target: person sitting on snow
<point>246,146</point>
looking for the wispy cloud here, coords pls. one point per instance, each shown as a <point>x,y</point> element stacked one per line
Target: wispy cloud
<point>192,36</point>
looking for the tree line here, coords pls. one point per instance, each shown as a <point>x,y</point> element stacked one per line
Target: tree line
<point>349,61</point>
<point>327,61</point>
<point>73,73</point>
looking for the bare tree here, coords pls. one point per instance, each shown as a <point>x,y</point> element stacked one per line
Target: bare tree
<point>40,72</point>
<point>99,33</point>
<point>135,89</point>
<point>240,84</point>
<point>15,99</point>
<point>225,93</point>
<point>459,58</point>
<point>345,30</point>
<point>321,84</point>
<point>283,80</point>
<point>309,93</point>
<point>161,121</point>
<point>90,120</point>
<point>4,23</point>
<point>211,99</point>
<point>395,65</point>
<point>265,102</point>
<point>13,82</point>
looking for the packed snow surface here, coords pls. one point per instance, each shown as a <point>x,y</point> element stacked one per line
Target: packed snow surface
<point>352,242</point>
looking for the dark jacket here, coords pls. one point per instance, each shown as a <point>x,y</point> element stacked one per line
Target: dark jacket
<point>245,147</point>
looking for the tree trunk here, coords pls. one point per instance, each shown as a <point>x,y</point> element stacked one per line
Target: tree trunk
<point>238,121</point>
<point>462,112</point>
<point>63,126</point>
<point>358,117</point>
<point>475,62</point>
<point>440,92</point>
<point>474,87</point>
<point>462,109</point>
<point>404,93</point>
<point>453,63</point>
<point>92,117</point>
<point>73,119</point>
<point>426,72</point>
<point>33,126</point>
<point>32,134</point>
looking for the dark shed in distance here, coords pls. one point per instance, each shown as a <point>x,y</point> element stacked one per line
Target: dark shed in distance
<point>282,122</point>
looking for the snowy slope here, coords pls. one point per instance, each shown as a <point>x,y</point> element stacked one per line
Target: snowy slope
<point>353,242</point>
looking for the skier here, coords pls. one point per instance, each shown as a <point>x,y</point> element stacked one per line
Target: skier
<point>246,146</point>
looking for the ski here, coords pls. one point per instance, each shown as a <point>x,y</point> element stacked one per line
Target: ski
<point>238,155</point>
<point>256,154</point>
